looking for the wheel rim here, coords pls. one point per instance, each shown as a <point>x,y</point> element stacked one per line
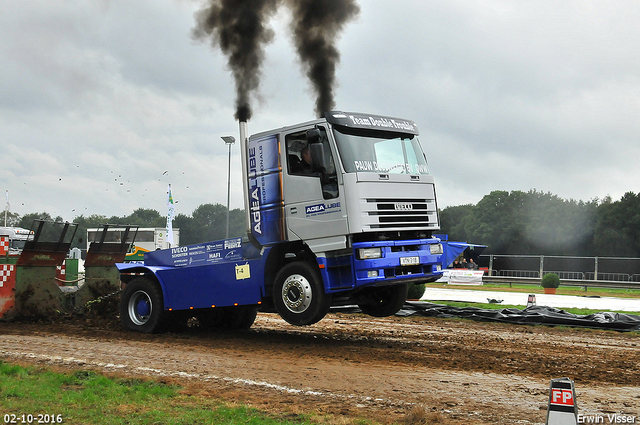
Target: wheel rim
<point>140,308</point>
<point>296,293</point>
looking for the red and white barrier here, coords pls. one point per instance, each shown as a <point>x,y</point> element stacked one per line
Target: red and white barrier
<point>7,287</point>
<point>4,245</point>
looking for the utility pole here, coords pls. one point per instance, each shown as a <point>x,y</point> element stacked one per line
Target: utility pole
<point>6,207</point>
<point>228,140</point>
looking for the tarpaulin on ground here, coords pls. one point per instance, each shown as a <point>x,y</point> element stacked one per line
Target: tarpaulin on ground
<point>533,315</point>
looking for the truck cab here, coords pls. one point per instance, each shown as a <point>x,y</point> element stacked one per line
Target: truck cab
<point>350,194</point>
<point>18,237</point>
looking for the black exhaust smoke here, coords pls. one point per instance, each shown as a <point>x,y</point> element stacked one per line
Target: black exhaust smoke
<point>316,25</point>
<point>238,28</point>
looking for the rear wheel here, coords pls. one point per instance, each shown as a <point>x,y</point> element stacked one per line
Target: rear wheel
<point>142,306</point>
<point>383,301</point>
<point>298,294</point>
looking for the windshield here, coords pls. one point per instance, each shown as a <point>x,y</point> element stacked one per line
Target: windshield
<point>18,244</point>
<point>390,153</point>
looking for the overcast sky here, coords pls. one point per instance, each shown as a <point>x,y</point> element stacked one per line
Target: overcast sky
<point>104,103</point>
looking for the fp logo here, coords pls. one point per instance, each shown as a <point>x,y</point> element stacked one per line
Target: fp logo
<point>562,397</point>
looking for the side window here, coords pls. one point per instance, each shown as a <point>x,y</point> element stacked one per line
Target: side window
<point>299,162</point>
<point>298,158</point>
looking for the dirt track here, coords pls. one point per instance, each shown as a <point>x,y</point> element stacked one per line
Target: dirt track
<point>349,365</point>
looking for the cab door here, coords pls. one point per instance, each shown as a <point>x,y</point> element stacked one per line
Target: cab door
<point>315,210</point>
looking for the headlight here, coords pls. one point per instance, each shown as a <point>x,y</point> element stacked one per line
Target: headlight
<point>435,248</point>
<point>367,253</point>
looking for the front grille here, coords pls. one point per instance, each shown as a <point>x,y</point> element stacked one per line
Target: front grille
<point>401,213</point>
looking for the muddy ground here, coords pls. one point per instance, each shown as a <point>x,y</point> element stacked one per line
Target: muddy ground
<point>350,366</point>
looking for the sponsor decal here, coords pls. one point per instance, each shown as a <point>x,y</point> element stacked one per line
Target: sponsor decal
<point>264,196</point>
<point>181,251</point>
<point>254,202</point>
<point>385,123</point>
<point>211,252</point>
<point>233,243</point>
<point>318,209</point>
<point>388,167</point>
<point>42,257</point>
<point>233,255</point>
<point>314,209</point>
<point>214,247</point>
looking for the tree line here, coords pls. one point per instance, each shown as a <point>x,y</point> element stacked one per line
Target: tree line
<point>544,224</point>
<point>208,222</point>
<point>506,222</point>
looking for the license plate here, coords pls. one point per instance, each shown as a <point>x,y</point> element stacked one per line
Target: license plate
<point>409,261</point>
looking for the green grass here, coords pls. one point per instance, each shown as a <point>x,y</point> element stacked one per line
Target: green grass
<point>537,289</point>
<point>85,397</point>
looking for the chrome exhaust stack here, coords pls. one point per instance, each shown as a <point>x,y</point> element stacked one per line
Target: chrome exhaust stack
<point>244,143</point>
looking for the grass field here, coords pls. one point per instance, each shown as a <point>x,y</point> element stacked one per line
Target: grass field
<point>39,395</point>
<point>537,289</point>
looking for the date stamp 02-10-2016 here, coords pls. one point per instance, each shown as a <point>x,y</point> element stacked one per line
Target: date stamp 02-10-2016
<point>31,418</point>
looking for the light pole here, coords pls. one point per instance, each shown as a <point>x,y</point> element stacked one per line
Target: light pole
<point>228,140</point>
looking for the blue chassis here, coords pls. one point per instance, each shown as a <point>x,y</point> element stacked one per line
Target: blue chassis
<point>241,281</point>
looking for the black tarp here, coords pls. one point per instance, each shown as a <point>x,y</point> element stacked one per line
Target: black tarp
<point>534,315</point>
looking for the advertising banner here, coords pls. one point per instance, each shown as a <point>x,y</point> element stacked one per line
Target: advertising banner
<point>265,190</point>
<point>197,255</point>
<point>462,277</point>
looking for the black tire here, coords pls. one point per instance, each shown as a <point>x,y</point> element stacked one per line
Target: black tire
<point>235,318</point>
<point>176,321</point>
<point>142,306</point>
<point>213,318</point>
<point>241,317</point>
<point>383,301</point>
<point>298,294</point>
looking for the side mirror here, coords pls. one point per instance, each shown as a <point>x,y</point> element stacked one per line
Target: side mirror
<point>313,135</point>
<point>317,157</point>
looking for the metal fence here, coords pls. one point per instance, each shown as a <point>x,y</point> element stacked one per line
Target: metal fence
<point>573,271</point>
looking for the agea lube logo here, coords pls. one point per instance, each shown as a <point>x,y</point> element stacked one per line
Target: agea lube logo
<point>256,217</point>
<point>314,209</point>
<point>322,208</point>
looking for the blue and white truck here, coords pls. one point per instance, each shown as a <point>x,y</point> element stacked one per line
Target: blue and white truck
<point>339,211</point>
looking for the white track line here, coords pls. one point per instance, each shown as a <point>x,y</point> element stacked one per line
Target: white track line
<point>177,374</point>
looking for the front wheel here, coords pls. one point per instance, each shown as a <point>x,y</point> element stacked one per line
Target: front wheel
<point>383,301</point>
<point>298,294</point>
<point>142,306</point>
